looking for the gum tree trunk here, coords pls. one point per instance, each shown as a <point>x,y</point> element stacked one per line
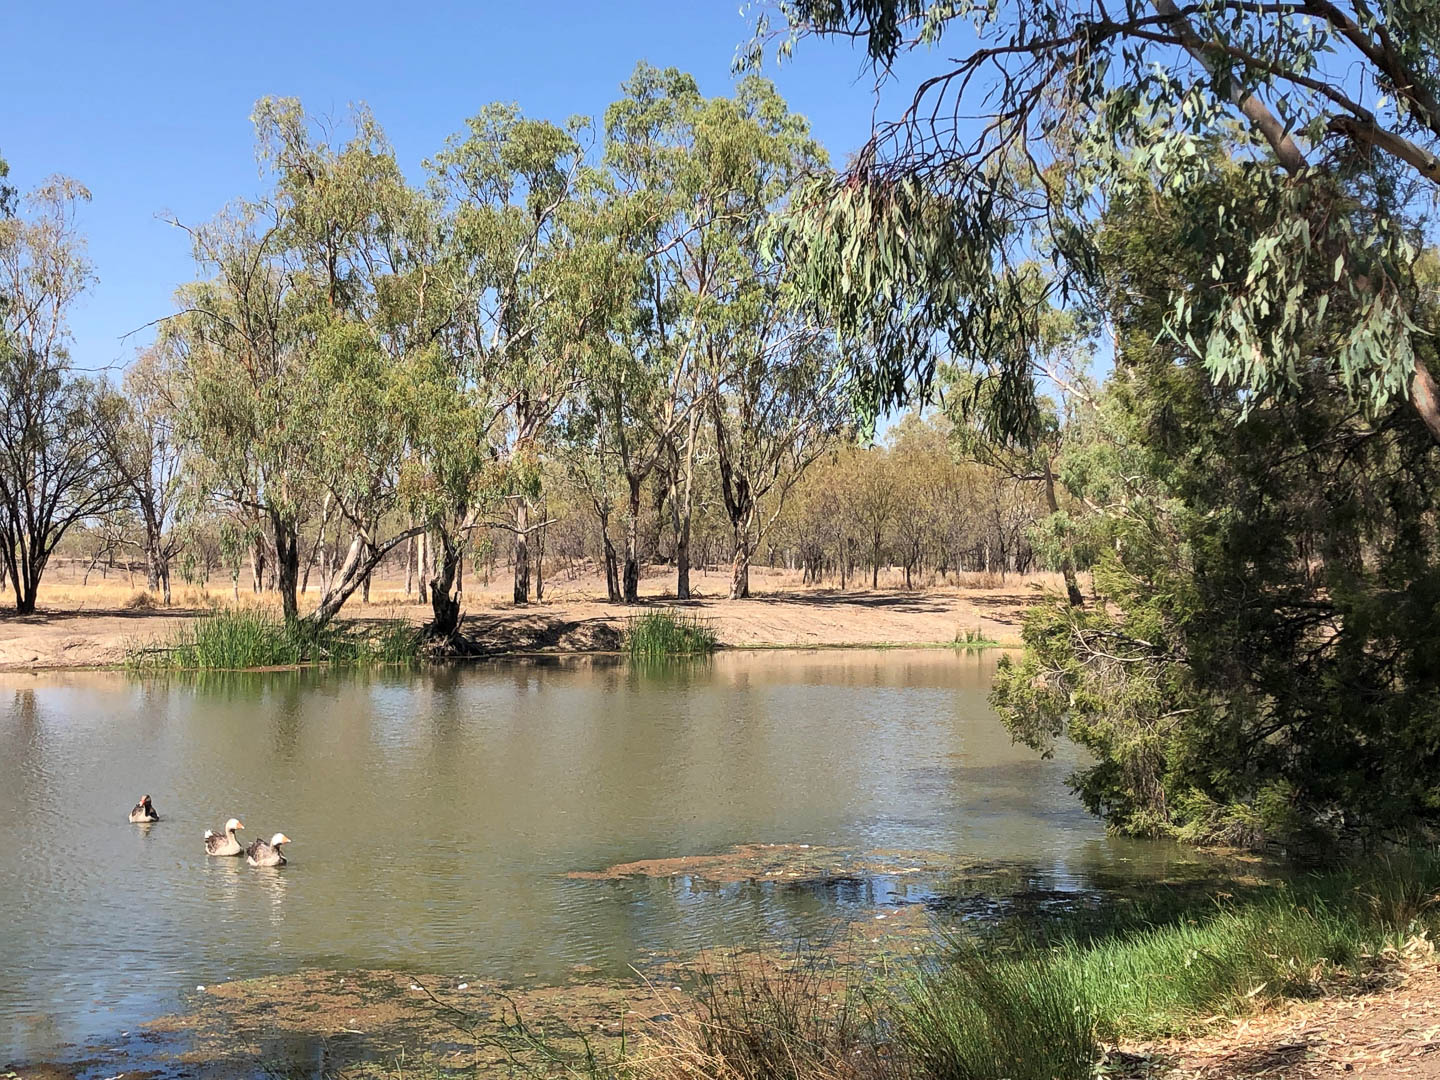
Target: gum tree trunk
<point>538,553</point>
<point>1067,564</point>
<point>612,571</point>
<point>287,566</point>
<point>444,604</point>
<point>740,566</point>
<point>522,553</point>
<point>632,544</point>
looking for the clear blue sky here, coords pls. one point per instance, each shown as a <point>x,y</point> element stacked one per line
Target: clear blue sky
<point>149,104</point>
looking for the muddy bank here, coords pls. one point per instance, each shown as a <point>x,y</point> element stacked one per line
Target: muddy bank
<point>324,1022</point>
<point>376,1023</point>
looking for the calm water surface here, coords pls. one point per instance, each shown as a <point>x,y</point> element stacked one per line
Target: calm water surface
<point>435,815</point>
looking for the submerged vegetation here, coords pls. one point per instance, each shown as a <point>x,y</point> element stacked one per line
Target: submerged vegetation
<point>237,638</point>
<point>656,635</point>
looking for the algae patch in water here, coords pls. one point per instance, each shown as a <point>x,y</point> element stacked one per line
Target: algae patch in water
<point>774,863</point>
<point>338,1019</point>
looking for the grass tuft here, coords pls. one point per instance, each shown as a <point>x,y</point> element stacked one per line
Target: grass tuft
<point>982,1017</point>
<point>806,1021</point>
<point>973,639</point>
<point>1165,980</point>
<point>234,639</point>
<point>656,635</point>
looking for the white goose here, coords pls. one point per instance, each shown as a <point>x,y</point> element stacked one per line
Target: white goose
<point>226,843</point>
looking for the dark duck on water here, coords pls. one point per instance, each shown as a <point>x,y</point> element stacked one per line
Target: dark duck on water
<point>267,853</point>
<point>144,812</point>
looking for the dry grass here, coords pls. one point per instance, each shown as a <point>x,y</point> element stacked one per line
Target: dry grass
<point>63,586</point>
<point>807,1017</point>
<point>1391,1030</point>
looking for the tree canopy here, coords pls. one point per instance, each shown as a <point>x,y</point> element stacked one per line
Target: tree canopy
<point>1015,150</point>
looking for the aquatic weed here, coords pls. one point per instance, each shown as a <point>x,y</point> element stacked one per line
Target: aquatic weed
<point>233,639</point>
<point>655,635</point>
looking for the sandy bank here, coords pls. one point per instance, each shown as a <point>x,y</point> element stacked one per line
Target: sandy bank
<point>92,626</point>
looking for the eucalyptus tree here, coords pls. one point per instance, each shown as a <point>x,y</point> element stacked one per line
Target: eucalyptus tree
<point>292,351</point>
<point>537,283</point>
<point>1331,109</point>
<point>711,336</point>
<point>381,300</point>
<point>148,460</point>
<point>54,472</point>
<point>662,204</point>
<point>778,405</point>
<point>248,405</point>
<point>453,475</point>
<point>776,391</point>
<point>779,392</point>
<point>7,191</point>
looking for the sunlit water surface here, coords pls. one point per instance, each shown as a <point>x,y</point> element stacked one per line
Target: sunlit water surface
<point>436,814</point>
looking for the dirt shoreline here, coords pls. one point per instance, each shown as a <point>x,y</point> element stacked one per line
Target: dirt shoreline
<point>94,626</point>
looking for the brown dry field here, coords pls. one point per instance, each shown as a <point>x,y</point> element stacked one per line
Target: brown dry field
<point>93,624</point>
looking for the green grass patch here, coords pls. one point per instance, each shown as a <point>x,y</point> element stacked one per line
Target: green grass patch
<point>989,1010</point>
<point>975,640</point>
<point>978,1016</point>
<point>1163,981</point>
<point>657,635</point>
<point>235,639</point>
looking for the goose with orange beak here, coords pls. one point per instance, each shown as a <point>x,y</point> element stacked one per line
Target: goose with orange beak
<point>144,812</point>
<point>226,843</point>
<point>267,852</point>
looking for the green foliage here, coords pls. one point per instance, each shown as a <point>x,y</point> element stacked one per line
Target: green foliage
<point>1260,666</point>
<point>241,638</point>
<point>991,1010</point>
<point>921,244</point>
<point>306,351</point>
<point>1166,980</point>
<point>656,635</point>
<point>7,193</point>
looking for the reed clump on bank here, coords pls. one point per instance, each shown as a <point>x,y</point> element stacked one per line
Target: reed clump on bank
<point>233,639</point>
<point>656,635</point>
<point>975,639</point>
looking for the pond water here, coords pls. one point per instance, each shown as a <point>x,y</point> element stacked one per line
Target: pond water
<point>435,816</point>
